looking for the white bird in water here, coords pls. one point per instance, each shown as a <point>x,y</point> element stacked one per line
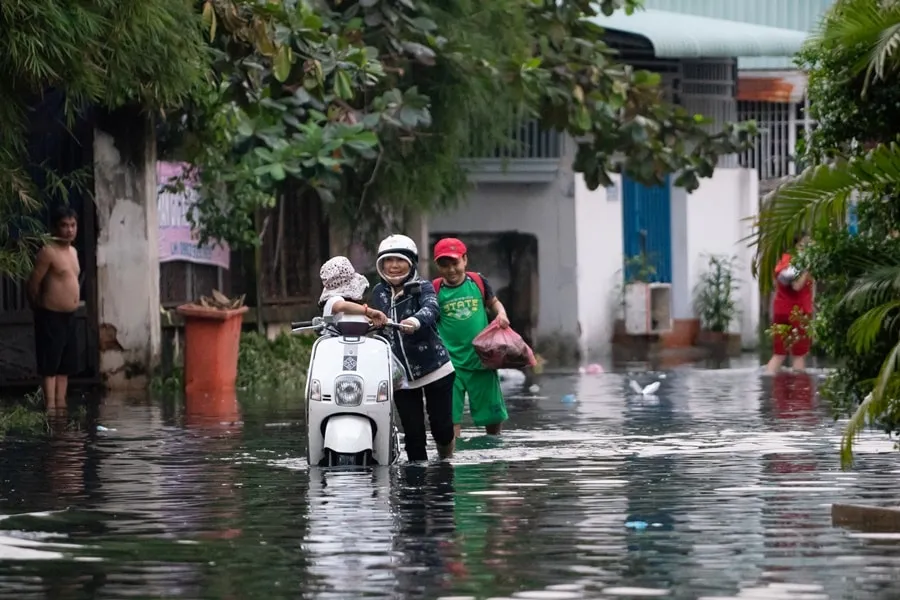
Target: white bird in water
<point>645,391</point>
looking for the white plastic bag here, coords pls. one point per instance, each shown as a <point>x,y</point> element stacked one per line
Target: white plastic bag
<point>788,275</point>
<point>399,373</point>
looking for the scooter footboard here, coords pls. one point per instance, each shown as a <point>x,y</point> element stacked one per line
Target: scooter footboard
<point>348,434</point>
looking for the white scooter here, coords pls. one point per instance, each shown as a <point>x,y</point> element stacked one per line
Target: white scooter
<point>349,394</point>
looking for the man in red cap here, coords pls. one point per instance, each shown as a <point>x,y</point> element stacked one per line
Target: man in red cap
<point>464,298</point>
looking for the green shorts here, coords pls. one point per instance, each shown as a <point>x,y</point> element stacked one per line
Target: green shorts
<point>485,398</point>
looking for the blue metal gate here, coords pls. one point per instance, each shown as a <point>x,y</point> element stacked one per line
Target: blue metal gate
<point>647,228</point>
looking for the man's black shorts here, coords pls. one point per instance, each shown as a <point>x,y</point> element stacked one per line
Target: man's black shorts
<point>55,343</point>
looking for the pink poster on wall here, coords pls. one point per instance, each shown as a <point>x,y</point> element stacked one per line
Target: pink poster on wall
<point>177,241</point>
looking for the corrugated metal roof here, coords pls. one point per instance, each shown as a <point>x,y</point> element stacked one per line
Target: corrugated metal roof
<point>802,15</point>
<point>675,35</point>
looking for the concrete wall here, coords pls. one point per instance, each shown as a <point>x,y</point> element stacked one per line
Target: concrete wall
<point>713,220</point>
<point>546,210</point>
<point>599,246</point>
<point>125,193</point>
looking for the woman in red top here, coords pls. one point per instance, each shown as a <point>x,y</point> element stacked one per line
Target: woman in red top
<point>793,294</point>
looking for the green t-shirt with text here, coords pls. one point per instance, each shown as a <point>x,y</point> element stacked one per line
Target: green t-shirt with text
<point>463,316</point>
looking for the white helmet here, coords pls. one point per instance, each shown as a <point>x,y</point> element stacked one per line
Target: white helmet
<point>398,246</point>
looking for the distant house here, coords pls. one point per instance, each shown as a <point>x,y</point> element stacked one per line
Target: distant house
<point>771,90</point>
<point>580,238</point>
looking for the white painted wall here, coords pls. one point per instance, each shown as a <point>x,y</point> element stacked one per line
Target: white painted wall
<point>682,291</point>
<point>598,229</point>
<point>545,210</point>
<point>125,193</point>
<point>712,220</point>
<point>749,293</point>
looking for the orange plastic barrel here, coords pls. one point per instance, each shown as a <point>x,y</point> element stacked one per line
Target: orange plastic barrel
<point>211,341</point>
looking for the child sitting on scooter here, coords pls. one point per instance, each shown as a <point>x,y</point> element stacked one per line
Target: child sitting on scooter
<point>343,290</point>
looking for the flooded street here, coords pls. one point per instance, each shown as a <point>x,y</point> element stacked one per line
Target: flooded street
<point>717,487</point>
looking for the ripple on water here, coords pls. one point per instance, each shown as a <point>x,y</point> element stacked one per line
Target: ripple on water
<point>732,474</point>
<point>548,594</point>
<point>777,591</point>
<point>635,591</point>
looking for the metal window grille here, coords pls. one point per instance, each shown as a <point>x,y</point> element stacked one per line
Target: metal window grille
<point>528,141</point>
<point>708,88</point>
<point>780,126</point>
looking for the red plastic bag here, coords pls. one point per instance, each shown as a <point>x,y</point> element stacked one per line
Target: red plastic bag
<point>500,348</point>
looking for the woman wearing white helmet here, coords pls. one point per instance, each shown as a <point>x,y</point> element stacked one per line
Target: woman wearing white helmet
<point>411,301</point>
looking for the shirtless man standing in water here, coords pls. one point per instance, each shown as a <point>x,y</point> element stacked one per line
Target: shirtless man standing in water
<point>54,293</point>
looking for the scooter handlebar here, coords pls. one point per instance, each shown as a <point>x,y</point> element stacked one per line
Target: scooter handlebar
<point>319,323</point>
<point>313,325</point>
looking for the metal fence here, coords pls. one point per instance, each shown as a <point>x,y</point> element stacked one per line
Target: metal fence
<point>780,126</point>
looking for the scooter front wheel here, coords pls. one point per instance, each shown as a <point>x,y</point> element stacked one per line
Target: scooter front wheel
<point>341,459</point>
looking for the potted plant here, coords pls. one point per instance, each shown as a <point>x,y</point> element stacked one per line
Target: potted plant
<point>716,307</point>
<point>212,334</point>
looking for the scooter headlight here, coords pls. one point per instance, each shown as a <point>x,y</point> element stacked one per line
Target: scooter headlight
<point>315,391</point>
<point>382,392</point>
<point>348,390</point>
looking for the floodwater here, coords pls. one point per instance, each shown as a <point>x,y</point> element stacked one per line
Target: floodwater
<point>719,486</point>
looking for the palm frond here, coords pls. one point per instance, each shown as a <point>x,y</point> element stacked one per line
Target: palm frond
<point>855,425</point>
<point>879,284</point>
<point>866,327</point>
<point>872,25</point>
<point>873,407</point>
<point>883,56</point>
<point>887,372</point>
<point>818,197</point>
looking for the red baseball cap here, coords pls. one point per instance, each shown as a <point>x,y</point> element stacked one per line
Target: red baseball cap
<point>449,248</point>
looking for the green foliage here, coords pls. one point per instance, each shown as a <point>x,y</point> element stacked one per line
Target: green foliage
<point>869,27</point>
<point>473,109</point>
<point>280,364</point>
<point>850,325</point>
<point>639,268</point>
<point>104,53</point>
<point>168,382</point>
<point>296,108</point>
<point>23,421</point>
<point>819,198</point>
<point>847,121</point>
<point>791,333</point>
<point>853,155</point>
<point>857,276</point>
<point>30,419</point>
<point>713,297</point>
<point>21,232</point>
<point>370,106</point>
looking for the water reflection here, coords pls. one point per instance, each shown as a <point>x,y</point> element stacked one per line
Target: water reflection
<point>730,473</point>
<point>424,546</point>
